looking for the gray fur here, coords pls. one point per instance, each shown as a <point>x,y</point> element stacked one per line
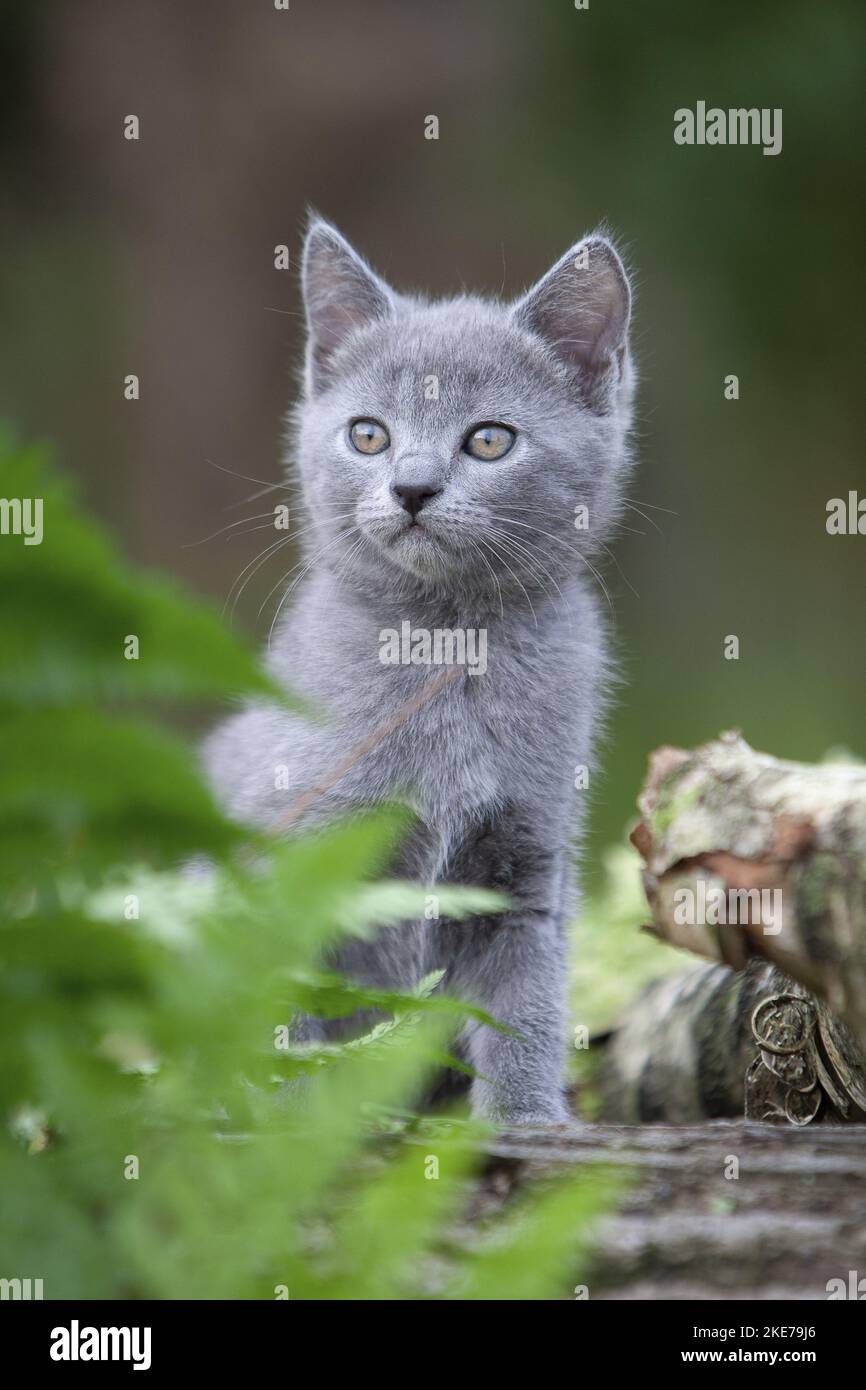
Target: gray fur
<point>488,764</point>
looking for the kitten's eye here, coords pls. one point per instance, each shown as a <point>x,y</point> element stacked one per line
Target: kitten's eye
<point>489,441</point>
<point>369,437</point>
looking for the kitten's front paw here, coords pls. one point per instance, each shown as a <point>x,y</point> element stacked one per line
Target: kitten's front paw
<point>537,1119</point>
<point>515,1107</point>
<point>553,1116</point>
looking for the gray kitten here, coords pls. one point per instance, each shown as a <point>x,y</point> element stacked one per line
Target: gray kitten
<point>461,465</point>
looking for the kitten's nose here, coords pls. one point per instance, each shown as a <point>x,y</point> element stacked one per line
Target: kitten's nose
<point>413,496</point>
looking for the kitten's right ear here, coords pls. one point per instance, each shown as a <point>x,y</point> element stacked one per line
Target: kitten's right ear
<point>341,293</point>
<point>581,308</point>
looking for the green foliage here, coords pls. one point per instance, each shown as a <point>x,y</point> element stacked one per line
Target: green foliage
<point>67,606</point>
<point>613,959</point>
<point>164,1133</point>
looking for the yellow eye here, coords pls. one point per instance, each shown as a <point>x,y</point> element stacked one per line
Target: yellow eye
<point>489,441</point>
<point>369,437</point>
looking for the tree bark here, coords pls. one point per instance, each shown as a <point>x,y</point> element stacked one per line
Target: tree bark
<point>749,857</point>
<point>714,1043</point>
<point>725,822</point>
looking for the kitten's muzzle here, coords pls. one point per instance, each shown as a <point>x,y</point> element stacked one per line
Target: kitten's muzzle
<point>413,496</point>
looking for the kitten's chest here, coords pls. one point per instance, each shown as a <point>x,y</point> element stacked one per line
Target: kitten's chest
<point>455,732</point>
<point>464,744</point>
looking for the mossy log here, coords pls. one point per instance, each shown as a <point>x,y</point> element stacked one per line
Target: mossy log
<point>760,865</point>
<point>749,856</point>
<point>716,1043</point>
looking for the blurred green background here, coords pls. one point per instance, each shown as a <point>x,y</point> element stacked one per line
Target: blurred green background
<point>156,257</point>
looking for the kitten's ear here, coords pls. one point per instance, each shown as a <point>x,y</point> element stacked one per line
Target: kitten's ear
<point>581,309</point>
<point>341,293</point>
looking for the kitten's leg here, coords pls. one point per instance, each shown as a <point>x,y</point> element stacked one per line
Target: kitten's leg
<point>397,957</point>
<point>520,1076</point>
<point>263,763</point>
<point>514,965</point>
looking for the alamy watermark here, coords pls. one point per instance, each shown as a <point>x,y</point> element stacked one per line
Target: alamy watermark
<point>77,1343</point>
<point>853,1288</point>
<point>443,646</point>
<point>738,125</point>
<point>22,516</point>
<point>713,906</point>
<point>20,1289</point>
<point>846,516</point>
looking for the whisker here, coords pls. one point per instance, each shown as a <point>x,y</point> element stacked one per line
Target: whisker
<point>246,477</point>
<point>598,577</point>
<point>515,578</point>
<point>545,512</point>
<point>477,550</point>
<point>253,566</point>
<point>528,554</point>
<point>312,560</point>
<point>257,561</point>
<point>612,555</point>
<point>574,549</point>
<point>652,506</point>
<point>304,562</point>
<point>342,568</point>
<point>632,508</point>
<point>254,496</point>
<point>190,545</point>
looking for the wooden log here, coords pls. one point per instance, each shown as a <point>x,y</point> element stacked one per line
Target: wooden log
<point>759,865</point>
<point>749,856</point>
<point>784,1223</point>
<point>716,1043</point>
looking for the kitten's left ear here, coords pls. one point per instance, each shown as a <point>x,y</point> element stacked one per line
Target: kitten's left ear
<point>341,293</point>
<point>581,308</point>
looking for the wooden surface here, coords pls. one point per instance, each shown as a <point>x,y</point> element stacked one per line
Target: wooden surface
<point>793,1219</point>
